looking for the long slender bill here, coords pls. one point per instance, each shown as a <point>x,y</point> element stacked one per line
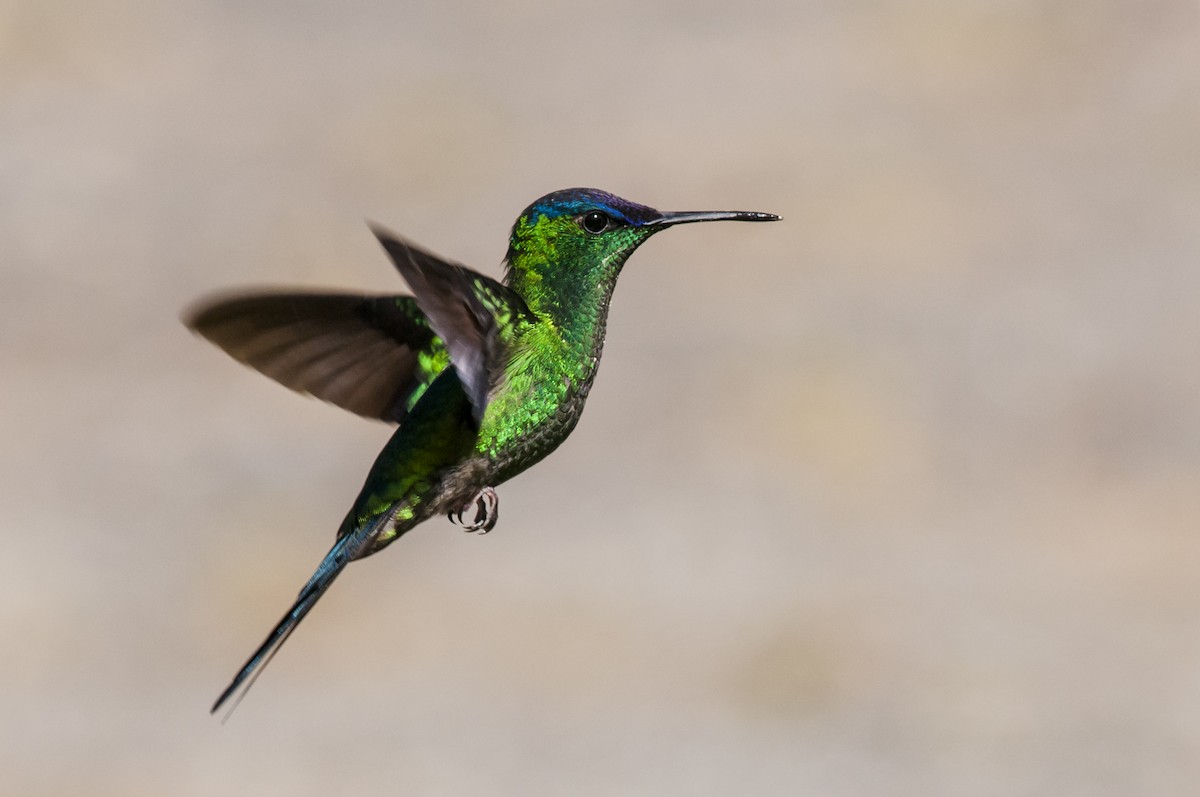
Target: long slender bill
<point>686,217</point>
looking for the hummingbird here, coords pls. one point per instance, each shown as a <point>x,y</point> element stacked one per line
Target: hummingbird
<point>484,378</point>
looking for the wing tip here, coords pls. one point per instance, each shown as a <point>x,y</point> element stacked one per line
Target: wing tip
<point>196,314</point>
<point>382,233</point>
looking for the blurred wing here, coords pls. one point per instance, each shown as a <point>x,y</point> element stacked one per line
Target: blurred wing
<point>467,310</point>
<point>371,355</point>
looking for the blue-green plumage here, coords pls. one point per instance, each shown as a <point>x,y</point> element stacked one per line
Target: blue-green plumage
<point>485,378</point>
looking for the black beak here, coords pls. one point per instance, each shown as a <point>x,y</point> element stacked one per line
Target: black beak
<point>669,219</point>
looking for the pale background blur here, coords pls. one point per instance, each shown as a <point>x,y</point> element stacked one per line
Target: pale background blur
<point>898,496</point>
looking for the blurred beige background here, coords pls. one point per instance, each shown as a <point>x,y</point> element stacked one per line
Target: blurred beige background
<point>899,496</point>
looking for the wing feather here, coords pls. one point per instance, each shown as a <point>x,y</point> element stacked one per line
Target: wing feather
<point>465,308</point>
<point>366,354</point>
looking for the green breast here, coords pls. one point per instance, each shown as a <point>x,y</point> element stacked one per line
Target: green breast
<point>539,398</point>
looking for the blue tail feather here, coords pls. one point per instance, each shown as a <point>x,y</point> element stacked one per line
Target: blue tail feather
<point>342,553</point>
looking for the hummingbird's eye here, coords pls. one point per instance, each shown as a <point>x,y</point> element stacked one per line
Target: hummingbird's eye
<point>595,222</point>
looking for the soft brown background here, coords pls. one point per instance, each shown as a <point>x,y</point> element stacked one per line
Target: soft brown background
<point>899,496</point>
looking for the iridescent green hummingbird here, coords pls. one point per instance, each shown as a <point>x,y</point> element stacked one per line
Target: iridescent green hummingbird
<point>484,378</point>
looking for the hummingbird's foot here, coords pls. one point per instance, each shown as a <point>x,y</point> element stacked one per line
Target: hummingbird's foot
<point>487,512</point>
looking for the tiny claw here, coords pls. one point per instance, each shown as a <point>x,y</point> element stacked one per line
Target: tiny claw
<point>487,512</point>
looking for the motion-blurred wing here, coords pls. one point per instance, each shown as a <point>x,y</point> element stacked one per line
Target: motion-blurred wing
<point>371,355</point>
<point>467,310</point>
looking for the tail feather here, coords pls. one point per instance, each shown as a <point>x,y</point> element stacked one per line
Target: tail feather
<point>338,557</point>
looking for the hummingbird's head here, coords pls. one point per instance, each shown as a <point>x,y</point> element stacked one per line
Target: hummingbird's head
<point>569,246</point>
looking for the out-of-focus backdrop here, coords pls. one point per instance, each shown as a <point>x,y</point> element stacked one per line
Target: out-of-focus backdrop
<point>898,496</point>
